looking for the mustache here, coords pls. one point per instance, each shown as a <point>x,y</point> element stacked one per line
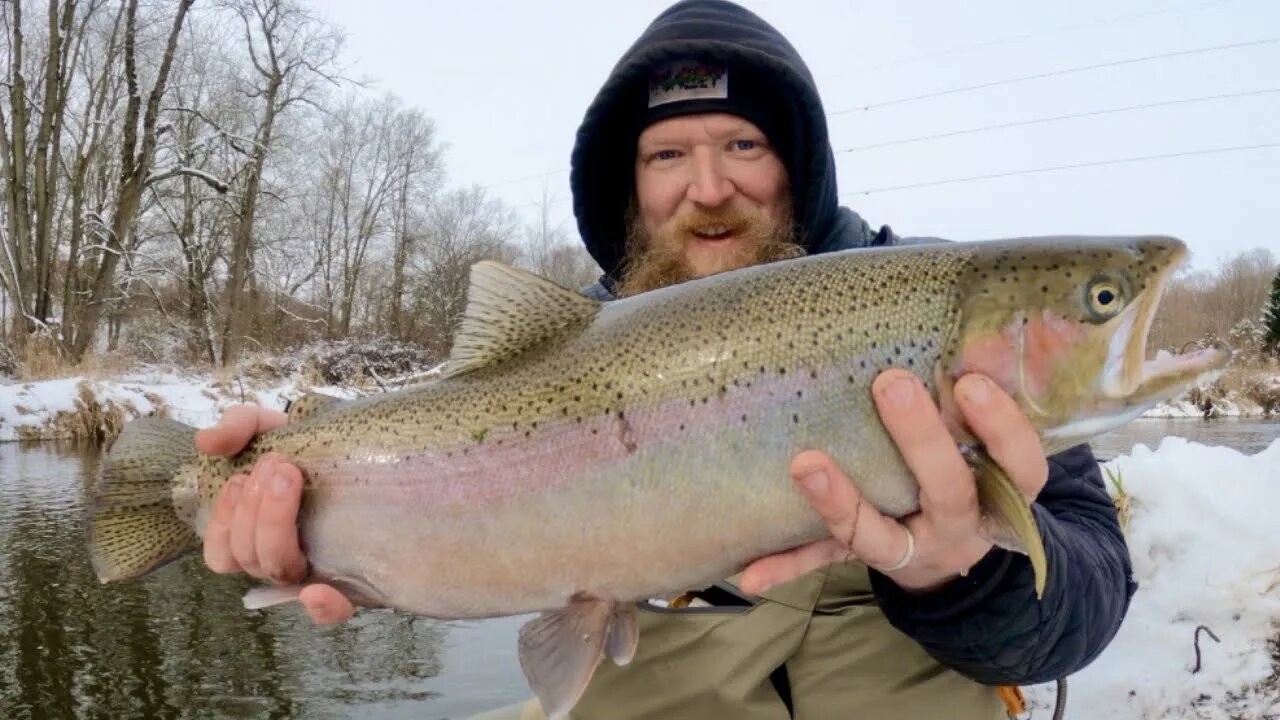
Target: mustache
<point>736,220</point>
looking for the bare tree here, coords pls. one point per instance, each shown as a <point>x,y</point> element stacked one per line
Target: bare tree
<point>464,227</point>
<point>293,56</point>
<point>1207,304</point>
<point>420,174</point>
<point>550,253</point>
<point>137,154</point>
<point>31,170</point>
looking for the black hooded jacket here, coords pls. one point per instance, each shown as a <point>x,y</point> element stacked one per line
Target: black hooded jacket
<point>988,625</point>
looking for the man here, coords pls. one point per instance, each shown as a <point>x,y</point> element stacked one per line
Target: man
<point>707,150</point>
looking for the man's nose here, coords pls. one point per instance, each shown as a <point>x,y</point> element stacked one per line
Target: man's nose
<point>710,186</point>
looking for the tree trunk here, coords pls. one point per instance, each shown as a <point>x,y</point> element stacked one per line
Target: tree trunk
<point>237,311</point>
<point>136,156</point>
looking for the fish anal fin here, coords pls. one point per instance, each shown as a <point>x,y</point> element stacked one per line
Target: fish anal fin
<point>510,311</point>
<point>1009,521</point>
<point>559,652</point>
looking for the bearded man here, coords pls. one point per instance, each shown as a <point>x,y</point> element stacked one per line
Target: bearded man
<point>707,151</point>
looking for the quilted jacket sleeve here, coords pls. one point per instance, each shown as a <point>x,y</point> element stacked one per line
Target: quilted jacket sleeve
<point>990,626</point>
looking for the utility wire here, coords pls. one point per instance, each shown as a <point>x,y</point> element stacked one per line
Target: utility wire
<point>535,176</point>
<point>1017,38</point>
<point>1056,73</point>
<point>1056,118</point>
<point>1055,168</point>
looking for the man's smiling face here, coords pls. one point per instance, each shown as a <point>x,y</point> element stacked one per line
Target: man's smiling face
<point>711,195</point>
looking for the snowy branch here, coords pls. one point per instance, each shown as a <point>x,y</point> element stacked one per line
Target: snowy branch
<point>209,179</point>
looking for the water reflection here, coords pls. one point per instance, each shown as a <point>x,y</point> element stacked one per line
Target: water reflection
<point>179,643</point>
<point>1248,435</point>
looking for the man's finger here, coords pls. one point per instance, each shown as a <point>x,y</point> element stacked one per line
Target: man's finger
<point>787,566</point>
<point>217,536</point>
<point>860,528</point>
<point>236,428</point>
<point>1005,431</point>
<point>326,605</point>
<point>947,492</point>
<point>244,523</point>
<point>279,556</point>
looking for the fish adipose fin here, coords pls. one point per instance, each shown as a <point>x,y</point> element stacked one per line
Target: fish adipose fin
<point>1011,524</point>
<point>559,650</point>
<point>132,523</point>
<point>510,311</point>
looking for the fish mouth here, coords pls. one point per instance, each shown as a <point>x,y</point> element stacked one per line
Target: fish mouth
<point>1128,375</point>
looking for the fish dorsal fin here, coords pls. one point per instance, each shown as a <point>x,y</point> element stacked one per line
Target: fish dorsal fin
<point>509,311</point>
<point>309,405</point>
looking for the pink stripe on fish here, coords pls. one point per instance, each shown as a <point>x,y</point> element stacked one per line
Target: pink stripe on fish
<point>506,464</point>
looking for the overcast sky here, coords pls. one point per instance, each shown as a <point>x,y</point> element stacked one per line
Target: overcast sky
<point>508,82</point>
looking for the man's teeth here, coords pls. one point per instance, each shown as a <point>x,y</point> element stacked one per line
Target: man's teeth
<point>718,230</point>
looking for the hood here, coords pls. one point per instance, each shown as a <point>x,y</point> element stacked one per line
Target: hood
<point>602,164</point>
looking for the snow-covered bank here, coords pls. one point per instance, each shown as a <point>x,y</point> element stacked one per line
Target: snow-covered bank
<point>53,409</point>
<point>1259,397</point>
<point>1205,550</point>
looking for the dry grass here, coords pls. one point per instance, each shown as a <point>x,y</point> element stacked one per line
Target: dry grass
<point>43,359</point>
<point>107,365</point>
<point>1121,498</point>
<point>92,420</point>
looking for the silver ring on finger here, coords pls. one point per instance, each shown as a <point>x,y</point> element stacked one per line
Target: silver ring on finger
<point>907,556</point>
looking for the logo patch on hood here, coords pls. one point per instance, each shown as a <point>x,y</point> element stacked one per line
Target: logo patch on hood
<point>688,80</point>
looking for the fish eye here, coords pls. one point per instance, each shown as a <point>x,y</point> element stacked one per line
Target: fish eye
<point>1106,298</point>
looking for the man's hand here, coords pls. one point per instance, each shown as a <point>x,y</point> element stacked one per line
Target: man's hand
<point>947,528</point>
<point>254,528</point>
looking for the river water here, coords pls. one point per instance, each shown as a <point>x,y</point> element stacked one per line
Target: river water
<point>178,644</point>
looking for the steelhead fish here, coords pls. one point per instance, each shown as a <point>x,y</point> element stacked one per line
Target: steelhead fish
<point>567,439</point>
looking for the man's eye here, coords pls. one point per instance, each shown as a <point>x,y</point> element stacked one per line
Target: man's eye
<point>745,144</point>
<point>666,155</point>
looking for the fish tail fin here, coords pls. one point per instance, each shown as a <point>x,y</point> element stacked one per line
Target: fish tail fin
<point>133,526</point>
<point>1012,524</point>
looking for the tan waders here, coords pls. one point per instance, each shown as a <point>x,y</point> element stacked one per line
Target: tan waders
<point>840,659</point>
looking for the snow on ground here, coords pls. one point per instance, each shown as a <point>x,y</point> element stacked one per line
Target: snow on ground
<point>1206,552</point>
<point>31,410</point>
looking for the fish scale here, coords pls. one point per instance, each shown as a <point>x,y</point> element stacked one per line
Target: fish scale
<point>576,456</point>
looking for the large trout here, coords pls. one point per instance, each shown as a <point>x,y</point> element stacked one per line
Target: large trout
<point>576,457</point>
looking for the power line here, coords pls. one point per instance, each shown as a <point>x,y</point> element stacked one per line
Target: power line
<point>1056,118</point>
<point>1017,38</point>
<point>1055,168</point>
<point>1056,73</point>
<point>535,176</point>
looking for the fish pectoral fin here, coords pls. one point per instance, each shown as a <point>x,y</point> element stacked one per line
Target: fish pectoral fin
<point>357,591</point>
<point>624,634</point>
<point>1008,519</point>
<point>559,652</point>
<point>266,596</point>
